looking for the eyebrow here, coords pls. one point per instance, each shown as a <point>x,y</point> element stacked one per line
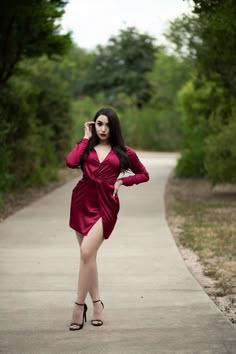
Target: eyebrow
<point>99,121</point>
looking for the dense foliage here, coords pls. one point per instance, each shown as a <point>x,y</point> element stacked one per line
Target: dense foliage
<point>181,97</point>
<point>34,108</point>
<point>156,125</point>
<point>207,101</point>
<point>28,28</point>
<point>120,67</point>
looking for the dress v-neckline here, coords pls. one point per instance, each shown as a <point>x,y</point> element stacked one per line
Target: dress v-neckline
<point>104,157</point>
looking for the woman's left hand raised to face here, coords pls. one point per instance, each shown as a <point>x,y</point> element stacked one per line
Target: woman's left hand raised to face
<point>117,185</point>
<point>88,129</point>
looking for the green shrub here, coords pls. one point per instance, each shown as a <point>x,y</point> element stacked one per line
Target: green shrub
<point>220,160</point>
<point>190,163</point>
<point>198,101</point>
<point>150,129</point>
<point>35,127</point>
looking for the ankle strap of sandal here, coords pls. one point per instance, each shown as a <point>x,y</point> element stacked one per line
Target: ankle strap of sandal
<point>96,301</point>
<point>79,304</point>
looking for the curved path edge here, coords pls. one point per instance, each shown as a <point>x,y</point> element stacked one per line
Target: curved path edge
<point>153,304</point>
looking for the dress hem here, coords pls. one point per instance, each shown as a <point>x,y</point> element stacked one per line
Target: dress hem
<point>75,229</point>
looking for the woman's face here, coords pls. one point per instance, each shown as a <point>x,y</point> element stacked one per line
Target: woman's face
<point>102,128</point>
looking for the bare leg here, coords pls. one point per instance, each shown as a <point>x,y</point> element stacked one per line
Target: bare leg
<point>88,275</point>
<point>94,288</point>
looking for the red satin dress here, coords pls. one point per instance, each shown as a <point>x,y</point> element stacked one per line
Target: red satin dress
<point>92,197</point>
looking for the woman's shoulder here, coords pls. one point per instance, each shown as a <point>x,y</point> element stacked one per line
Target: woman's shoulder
<point>131,153</point>
<point>129,149</point>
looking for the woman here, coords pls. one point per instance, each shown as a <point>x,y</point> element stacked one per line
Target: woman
<point>102,156</point>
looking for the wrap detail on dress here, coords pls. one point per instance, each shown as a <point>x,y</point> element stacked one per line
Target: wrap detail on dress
<point>92,197</point>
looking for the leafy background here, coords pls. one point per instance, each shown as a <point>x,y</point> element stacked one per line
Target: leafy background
<point>175,98</point>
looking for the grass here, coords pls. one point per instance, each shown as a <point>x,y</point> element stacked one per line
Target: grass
<point>207,225</point>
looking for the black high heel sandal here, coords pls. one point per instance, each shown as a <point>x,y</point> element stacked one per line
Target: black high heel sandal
<point>80,325</point>
<point>97,323</point>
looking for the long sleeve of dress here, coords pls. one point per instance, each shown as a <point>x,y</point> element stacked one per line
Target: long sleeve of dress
<point>74,157</point>
<point>140,173</point>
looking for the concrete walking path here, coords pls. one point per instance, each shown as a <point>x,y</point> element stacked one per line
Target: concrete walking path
<point>152,302</point>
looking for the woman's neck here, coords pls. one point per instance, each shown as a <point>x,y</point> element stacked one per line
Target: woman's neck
<point>104,143</point>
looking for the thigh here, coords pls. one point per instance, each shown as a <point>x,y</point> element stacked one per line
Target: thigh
<point>93,240</point>
<point>79,237</point>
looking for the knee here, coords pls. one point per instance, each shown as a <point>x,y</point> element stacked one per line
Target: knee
<point>86,255</point>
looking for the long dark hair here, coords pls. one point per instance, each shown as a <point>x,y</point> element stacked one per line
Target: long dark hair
<point>115,138</point>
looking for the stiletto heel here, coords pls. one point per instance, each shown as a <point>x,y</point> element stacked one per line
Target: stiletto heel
<point>84,319</point>
<point>97,323</point>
